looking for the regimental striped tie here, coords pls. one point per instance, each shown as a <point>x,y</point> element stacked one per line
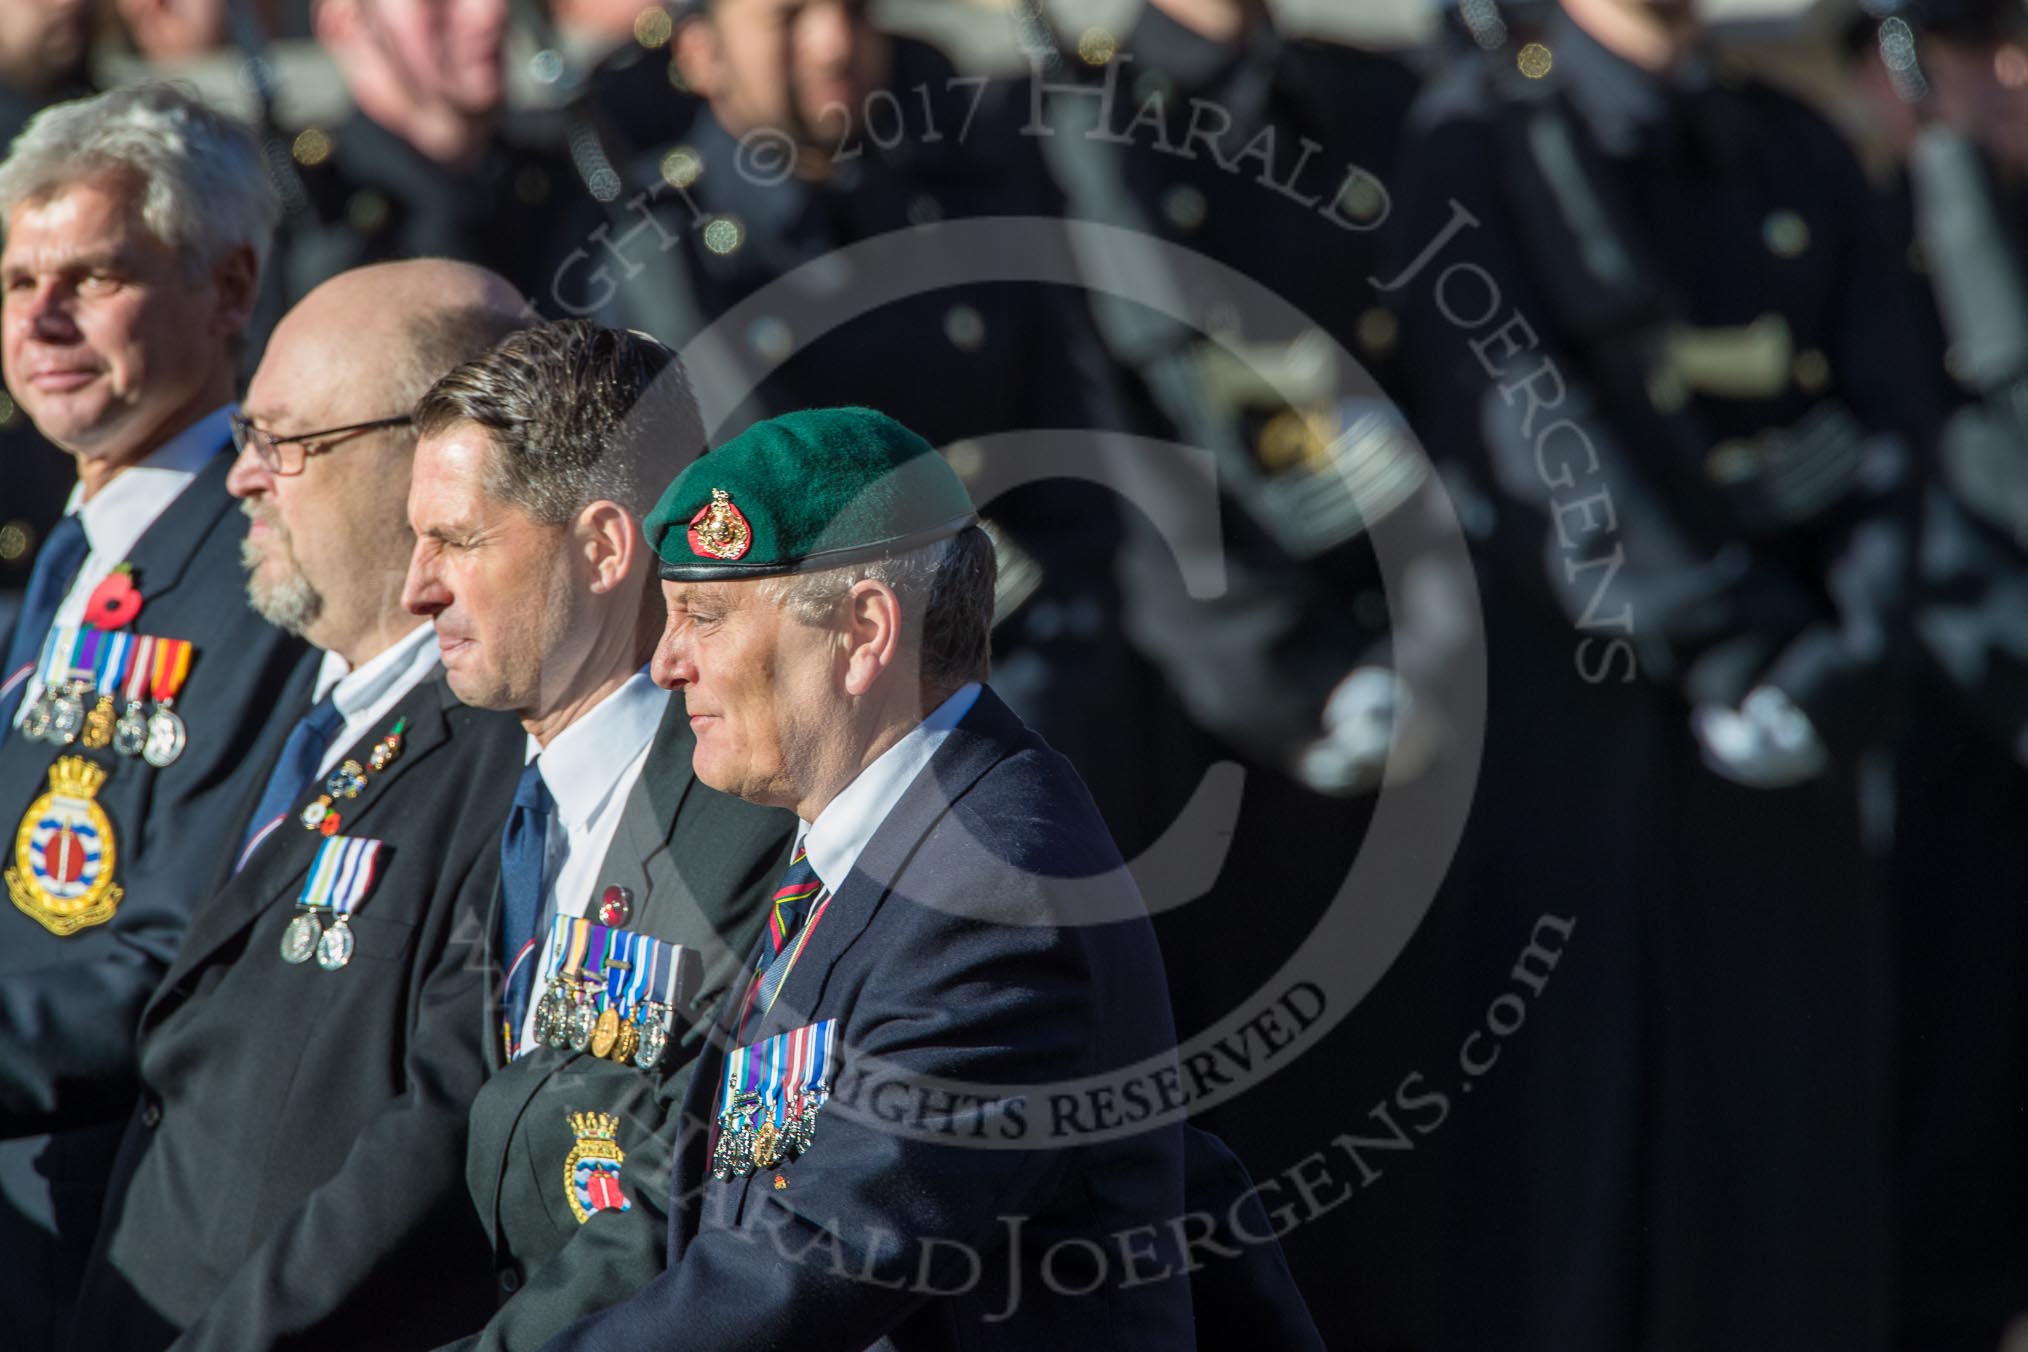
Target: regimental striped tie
<point>800,894</point>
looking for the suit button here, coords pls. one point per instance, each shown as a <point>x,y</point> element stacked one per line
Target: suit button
<point>151,1114</point>
<point>510,1281</point>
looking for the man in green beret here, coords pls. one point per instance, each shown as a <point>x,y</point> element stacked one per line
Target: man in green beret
<point>875,1146</point>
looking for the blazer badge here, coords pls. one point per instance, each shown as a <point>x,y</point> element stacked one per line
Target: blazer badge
<point>64,852</point>
<point>591,1172</point>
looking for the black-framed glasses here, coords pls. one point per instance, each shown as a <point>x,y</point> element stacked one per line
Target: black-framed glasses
<point>268,446</point>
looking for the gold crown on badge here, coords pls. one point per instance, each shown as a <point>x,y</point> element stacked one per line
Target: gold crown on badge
<point>76,777</point>
<point>595,1126</point>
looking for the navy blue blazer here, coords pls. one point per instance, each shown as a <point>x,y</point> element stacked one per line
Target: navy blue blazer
<point>69,1004</point>
<point>957,950</point>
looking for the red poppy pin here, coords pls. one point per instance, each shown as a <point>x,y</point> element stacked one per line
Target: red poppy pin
<point>116,602</point>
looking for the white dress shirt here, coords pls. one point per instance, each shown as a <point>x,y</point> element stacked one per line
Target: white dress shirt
<point>366,696</point>
<point>838,836</point>
<point>590,768</point>
<point>118,515</point>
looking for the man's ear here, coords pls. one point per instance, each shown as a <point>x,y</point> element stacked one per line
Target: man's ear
<point>871,616</point>
<point>611,543</point>
<point>699,56</point>
<point>237,280</point>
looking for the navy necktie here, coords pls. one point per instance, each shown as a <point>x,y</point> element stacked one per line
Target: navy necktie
<point>522,857</point>
<point>294,771</point>
<point>56,565</point>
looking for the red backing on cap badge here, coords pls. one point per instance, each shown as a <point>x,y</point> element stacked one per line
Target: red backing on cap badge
<point>719,531</point>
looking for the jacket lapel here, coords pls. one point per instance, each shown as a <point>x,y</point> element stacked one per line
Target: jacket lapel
<point>275,873</point>
<point>166,548</point>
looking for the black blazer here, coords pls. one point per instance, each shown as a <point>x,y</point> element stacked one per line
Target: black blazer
<point>291,1174</point>
<point>989,934</point>
<point>69,1004</point>
<point>700,865</point>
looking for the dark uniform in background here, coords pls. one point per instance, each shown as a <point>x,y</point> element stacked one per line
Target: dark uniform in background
<point>1273,156</point>
<point>693,867</point>
<point>69,1003</point>
<point>291,1175</point>
<point>959,364</point>
<point>1960,215</point>
<point>1687,1148</point>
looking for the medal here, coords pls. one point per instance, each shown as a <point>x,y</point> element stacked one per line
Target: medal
<point>299,940</point>
<point>168,667</point>
<point>313,815</point>
<point>338,881</point>
<point>388,749</point>
<point>334,950</point>
<point>66,715</point>
<point>346,781</point>
<point>581,1024</point>
<point>64,852</point>
<point>584,1016</point>
<point>772,1092</point>
<point>654,1037</point>
<point>41,715</point>
<point>605,1032</point>
<point>130,730</point>
<point>98,725</point>
<point>627,1043</point>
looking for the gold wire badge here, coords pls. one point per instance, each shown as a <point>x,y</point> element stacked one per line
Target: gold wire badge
<point>64,852</point>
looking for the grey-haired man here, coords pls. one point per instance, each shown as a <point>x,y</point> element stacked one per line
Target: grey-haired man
<point>137,682</point>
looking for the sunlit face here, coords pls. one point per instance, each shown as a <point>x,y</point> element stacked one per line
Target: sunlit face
<point>107,335</point>
<point>496,583</point>
<point>444,50</point>
<point>762,690</point>
<point>328,537</point>
<point>773,63</point>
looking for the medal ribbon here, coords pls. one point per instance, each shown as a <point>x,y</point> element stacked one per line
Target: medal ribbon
<point>135,682</point>
<point>341,874</point>
<point>112,663</point>
<point>647,960</point>
<point>84,655</point>
<point>172,664</point>
<point>620,972</point>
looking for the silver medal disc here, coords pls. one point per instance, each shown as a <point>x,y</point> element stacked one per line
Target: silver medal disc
<point>334,950</point>
<point>66,717</point>
<point>299,940</point>
<point>166,736</point>
<point>583,1021</point>
<point>35,727</point>
<point>654,1037</point>
<point>130,733</point>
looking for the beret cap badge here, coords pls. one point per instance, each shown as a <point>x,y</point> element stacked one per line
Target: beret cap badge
<point>720,530</point>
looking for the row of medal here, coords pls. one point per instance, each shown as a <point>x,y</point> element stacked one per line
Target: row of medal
<point>339,879</point>
<point>772,1092</point>
<point>86,671</point>
<point>610,991</point>
<point>348,780</point>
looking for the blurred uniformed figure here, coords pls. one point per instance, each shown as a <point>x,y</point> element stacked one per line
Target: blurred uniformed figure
<point>1659,338</point>
<point>822,132</point>
<point>42,61</point>
<point>1946,85</point>
<point>134,704</point>
<point>290,1174</point>
<point>1238,146</point>
<point>428,164</point>
<point>629,892</point>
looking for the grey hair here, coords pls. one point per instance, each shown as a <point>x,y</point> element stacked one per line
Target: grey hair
<point>946,592</point>
<point>206,191</point>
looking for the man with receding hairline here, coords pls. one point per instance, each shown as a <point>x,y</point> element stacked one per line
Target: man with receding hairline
<point>291,1174</point>
<point>629,891</point>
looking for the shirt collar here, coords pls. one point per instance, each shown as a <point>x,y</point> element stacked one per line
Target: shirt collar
<point>847,823</point>
<point>580,765</point>
<point>407,662</point>
<point>121,512</point>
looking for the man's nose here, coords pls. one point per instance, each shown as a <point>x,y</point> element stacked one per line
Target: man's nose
<point>422,591</point>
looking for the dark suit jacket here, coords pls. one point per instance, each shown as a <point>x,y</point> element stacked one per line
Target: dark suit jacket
<point>701,865</point>
<point>291,1174</point>
<point>954,951</point>
<point>69,1004</point>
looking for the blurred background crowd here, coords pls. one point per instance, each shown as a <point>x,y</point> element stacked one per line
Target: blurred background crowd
<point>1604,426</point>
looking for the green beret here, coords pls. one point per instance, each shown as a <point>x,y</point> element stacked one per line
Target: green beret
<point>806,491</point>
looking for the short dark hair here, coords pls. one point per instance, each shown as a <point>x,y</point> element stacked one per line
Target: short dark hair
<point>576,414</point>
